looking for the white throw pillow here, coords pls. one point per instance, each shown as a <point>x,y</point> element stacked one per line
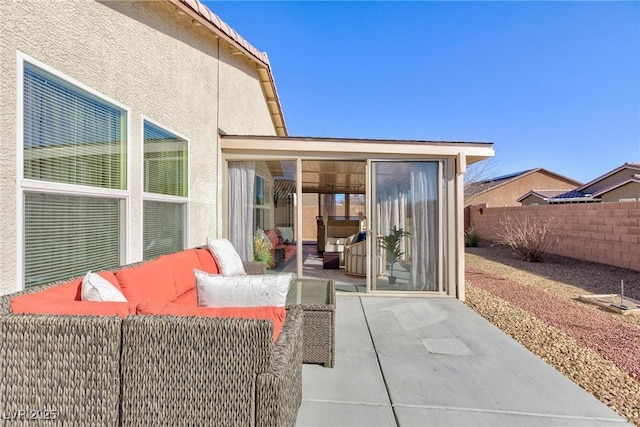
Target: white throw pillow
<point>97,288</point>
<point>243,291</point>
<point>228,259</point>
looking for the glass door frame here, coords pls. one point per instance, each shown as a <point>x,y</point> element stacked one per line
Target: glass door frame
<point>443,199</point>
<point>447,201</point>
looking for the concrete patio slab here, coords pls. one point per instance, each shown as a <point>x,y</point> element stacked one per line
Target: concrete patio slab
<point>354,389</point>
<point>434,361</point>
<point>465,417</point>
<point>439,356</point>
<point>344,414</point>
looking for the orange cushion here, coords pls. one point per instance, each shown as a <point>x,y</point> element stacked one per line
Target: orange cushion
<point>182,265</point>
<point>21,305</point>
<point>111,277</point>
<point>45,301</point>
<point>69,291</point>
<point>207,261</point>
<point>188,298</point>
<point>152,280</point>
<point>275,314</point>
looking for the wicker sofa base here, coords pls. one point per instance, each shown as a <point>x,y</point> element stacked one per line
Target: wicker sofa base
<point>148,369</point>
<point>318,303</point>
<point>170,371</point>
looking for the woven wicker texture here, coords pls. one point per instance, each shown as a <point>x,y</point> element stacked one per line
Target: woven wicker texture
<point>317,300</point>
<point>179,371</point>
<point>280,390</point>
<point>254,268</point>
<point>65,366</point>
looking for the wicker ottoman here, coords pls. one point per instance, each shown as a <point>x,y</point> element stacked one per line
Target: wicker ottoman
<point>317,298</point>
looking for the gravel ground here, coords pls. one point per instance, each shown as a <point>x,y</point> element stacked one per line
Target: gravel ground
<point>535,304</point>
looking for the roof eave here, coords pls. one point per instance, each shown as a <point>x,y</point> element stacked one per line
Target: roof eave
<point>505,182</point>
<point>572,199</point>
<point>615,186</point>
<point>566,178</point>
<point>202,16</point>
<point>608,174</point>
<point>320,146</point>
<point>530,193</point>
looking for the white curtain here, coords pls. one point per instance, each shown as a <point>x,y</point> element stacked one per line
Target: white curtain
<point>390,210</point>
<point>424,235</point>
<point>242,177</point>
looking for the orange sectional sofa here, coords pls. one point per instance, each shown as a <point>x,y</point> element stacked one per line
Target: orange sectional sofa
<point>116,363</point>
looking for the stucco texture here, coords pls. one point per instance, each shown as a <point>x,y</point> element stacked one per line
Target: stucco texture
<point>630,190</point>
<point>509,193</point>
<point>156,63</point>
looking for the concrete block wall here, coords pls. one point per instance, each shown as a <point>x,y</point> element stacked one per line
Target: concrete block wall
<point>607,233</point>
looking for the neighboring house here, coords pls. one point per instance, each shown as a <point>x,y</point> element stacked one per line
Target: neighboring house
<point>618,185</point>
<point>539,197</point>
<point>507,190</point>
<point>133,129</point>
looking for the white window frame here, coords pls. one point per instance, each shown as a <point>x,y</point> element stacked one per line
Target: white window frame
<point>266,211</point>
<point>25,185</point>
<point>155,197</point>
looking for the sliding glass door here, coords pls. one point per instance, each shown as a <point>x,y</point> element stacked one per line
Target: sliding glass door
<point>408,226</point>
<point>261,212</point>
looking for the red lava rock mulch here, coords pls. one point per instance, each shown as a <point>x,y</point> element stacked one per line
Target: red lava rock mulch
<point>614,340</point>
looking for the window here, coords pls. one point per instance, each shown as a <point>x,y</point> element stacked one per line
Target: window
<point>262,204</point>
<point>166,190</point>
<point>67,236</point>
<point>71,136</point>
<point>77,141</point>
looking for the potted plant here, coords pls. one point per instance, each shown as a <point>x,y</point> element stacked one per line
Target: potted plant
<point>391,244</point>
<point>261,249</point>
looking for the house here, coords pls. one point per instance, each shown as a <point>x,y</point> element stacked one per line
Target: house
<point>507,190</point>
<point>539,197</point>
<point>618,185</point>
<point>134,129</point>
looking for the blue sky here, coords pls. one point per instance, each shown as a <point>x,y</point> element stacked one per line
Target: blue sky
<point>551,84</point>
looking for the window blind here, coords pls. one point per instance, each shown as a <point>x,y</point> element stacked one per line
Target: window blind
<point>165,162</point>
<point>71,136</point>
<point>68,235</point>
<point>163,228</point>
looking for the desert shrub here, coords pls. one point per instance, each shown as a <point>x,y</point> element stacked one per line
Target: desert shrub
<point>471,237</point>
<point>530,236</point>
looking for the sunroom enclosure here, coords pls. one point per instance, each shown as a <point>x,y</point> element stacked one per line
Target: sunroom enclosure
<point>387,211</point>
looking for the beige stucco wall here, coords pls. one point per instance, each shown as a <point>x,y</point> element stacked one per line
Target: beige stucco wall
<point>155,62</point>
<point>533,200</point>
<point>508,194</point>
<point>630,190</point>
<point>243,110</point>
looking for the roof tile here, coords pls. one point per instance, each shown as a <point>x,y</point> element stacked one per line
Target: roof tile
<point>215,20</point>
